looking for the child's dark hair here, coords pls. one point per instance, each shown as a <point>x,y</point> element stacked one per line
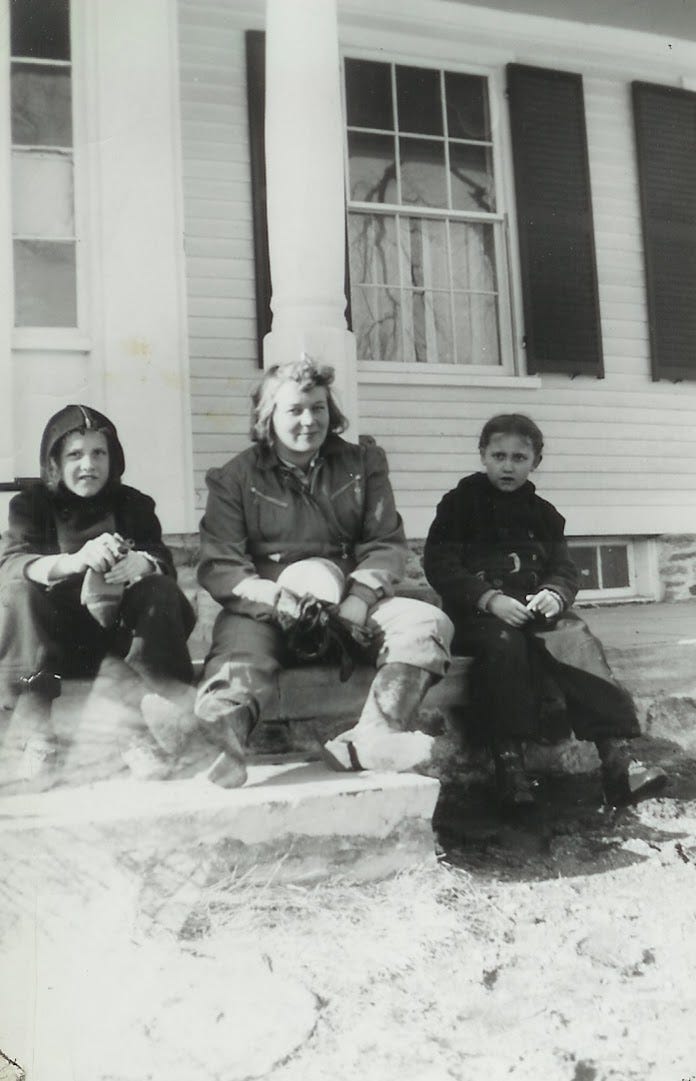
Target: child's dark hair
<point>512,424</point>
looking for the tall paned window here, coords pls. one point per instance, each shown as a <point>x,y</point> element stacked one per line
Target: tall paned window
<point>425,232</point>
<point>43,204</point>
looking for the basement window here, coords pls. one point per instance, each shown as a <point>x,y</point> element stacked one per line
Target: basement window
<point>614,568</point>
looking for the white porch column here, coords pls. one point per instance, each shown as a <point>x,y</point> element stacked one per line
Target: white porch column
<point>305,192</point>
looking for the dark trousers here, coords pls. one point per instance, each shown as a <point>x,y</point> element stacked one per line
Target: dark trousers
<point>510,668</point>
<point>49,629</point>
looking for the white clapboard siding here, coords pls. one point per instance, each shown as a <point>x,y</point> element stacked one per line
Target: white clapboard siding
<point>218,232</point>
<point>620,455</point>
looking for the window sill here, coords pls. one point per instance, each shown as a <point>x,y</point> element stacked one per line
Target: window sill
<point>50,340</point>
<point>605,602</point>
<point>373,371</point>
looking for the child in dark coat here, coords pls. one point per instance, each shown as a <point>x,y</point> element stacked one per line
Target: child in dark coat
<point>497,555</point>
<point>84,574</point>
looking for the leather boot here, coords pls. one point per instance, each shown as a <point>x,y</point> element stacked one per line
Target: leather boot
<point>514,790</point>
<point>227,724</point>
<point>379,740</point>
<point>625,780</point>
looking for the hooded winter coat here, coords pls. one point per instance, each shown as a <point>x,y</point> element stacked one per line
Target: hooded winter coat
<point>47,518</point>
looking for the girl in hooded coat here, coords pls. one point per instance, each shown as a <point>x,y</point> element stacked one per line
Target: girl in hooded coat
<point>84,575</point>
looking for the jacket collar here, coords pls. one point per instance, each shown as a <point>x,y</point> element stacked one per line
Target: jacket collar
<point>482,482</point>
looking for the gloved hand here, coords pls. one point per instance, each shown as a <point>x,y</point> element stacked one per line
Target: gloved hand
<point>350,642</point>
<point>316,631</point>
<point>289,609</point>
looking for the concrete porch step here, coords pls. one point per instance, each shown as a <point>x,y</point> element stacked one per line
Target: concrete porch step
<point>161,842</point>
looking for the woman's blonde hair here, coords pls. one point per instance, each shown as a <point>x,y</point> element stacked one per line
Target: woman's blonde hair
<point>307,374</point>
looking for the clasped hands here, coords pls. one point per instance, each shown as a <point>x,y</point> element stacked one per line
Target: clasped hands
<point>545,603</point>
<point>110,555</point>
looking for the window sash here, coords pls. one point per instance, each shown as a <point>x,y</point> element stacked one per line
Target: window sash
<point>404,317</point>
<point>45,251</point>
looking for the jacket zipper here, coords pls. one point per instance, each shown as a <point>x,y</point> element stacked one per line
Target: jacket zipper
<point>353,480</point>
<point>269,498</point>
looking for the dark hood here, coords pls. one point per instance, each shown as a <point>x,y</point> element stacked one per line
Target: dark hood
<point>81,418</point>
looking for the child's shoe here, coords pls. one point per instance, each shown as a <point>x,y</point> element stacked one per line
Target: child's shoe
<point>625,780</point>
<point>145,759</point>
<point>513,786</point>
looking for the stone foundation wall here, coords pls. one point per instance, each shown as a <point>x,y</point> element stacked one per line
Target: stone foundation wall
<point>677,566</point>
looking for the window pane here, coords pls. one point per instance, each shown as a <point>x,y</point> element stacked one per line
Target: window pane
<point>585,559</point>
<point>42,194</point>
<point>467,106</point>
<point>45,293</point>
<point>472,177</point>
<point>428,329</point>
<point>424,253</point>
<point>473,257</point>
<point>372,168</point>
<point>614,562</point>
<point>419,103</point>
<point>372,247</point>
<point>41,106</point>
<point>476,329</point>
<point>40,28</point>
<point>377,323</point>
<point>423,172</point>
<point>369,95</point>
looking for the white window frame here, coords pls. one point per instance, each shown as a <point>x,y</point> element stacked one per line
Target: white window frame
<point>642,569</point>
<point>511,371</point>
<point>57,339</point>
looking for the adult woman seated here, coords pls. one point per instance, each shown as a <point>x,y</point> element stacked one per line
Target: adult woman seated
<point>302,511</point>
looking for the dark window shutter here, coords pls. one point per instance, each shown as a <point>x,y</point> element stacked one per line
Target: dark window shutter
<point>256,100</point>
<point>554,212</point>
<point>256,104</point>
<point>665,120</point>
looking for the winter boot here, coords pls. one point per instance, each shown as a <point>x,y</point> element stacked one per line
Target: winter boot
<point>171,721</point>
<point>117,693</point>
<point>227,724</point>
<point>379,740</point>
<point>512,784</point>
<point>31,749</point>
<point>625,780</point>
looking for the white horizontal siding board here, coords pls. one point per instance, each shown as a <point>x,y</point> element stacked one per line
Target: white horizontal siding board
<point>651,467</point>
<point>207,150</point>
<point>231,181</point>
<point>236,246</point>
<point>202,270</point>
<point>220,207</point>
<point>216,172</point>
<point>225,114</point>
<point>581,482</point>
<point>237,286</point>
<point>223,327</point>
<point>215,357</point>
